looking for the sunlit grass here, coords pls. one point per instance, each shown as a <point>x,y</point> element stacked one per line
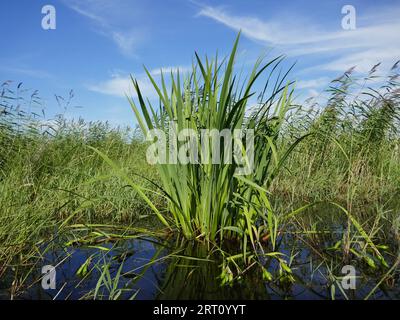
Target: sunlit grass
<point>54,184</point>
<point>209,201</point>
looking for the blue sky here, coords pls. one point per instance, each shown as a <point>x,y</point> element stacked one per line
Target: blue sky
<point>98,43</point>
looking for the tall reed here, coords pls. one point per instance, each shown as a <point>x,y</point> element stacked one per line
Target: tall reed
<point>209,200</point>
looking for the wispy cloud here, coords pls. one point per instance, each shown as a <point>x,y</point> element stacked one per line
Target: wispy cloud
<point>169,69</point>
<point>374,40</point>
<point>86,12</point>
<point>34,73</point>
<point>121,85</point>
<point>268,32</point>
<point>111,23</point>
<point>313,83</point>
<point>118,85</point>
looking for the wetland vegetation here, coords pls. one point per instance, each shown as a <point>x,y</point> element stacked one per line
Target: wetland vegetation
<point>323,193</point>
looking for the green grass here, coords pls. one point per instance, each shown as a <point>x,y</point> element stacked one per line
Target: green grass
<point>58,176</point>
<point>50,176</point>
<point>207,200</point>
<point>354,154</point>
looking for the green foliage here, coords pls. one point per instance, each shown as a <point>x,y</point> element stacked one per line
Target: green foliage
<point>49,176</point>
<point>208,201</point>
<point>53,175</point>
<point>353,154</point>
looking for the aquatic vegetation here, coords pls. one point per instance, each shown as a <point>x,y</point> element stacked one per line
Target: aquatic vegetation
<point>46,171</point>
<point>209,200</point>
<point>322,191</point>
<point>353,154</point>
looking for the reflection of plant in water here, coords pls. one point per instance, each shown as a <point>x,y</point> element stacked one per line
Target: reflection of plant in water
<point>195,274</point>
<point>107,264</point>
<point>374,263</point>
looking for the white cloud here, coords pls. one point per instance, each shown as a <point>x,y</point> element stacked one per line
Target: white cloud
<point>34,73</point>
<point>116,86</point>
<point>312,83</point>
<point>375,39</point>
<point>365,60</point>
<point>121,85</point>
<point>85,12</point>
<point>169,69</point>
<point>281,32</point>
<point>313,93</point>
<point>112,19</point>
<point>126,41</point>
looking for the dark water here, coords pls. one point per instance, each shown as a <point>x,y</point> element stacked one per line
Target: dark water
<point>132,255</point>
<point>150,268</point>
<point>150,272</point>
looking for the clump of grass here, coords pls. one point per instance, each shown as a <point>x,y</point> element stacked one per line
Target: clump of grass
<point>209,201</point>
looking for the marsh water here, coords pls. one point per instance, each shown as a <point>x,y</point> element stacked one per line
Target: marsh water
<point>151,268</point>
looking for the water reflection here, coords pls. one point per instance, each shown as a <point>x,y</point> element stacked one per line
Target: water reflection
<point>154,269</point>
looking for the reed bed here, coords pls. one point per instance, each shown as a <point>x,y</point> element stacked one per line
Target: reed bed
<point>59,176</point>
